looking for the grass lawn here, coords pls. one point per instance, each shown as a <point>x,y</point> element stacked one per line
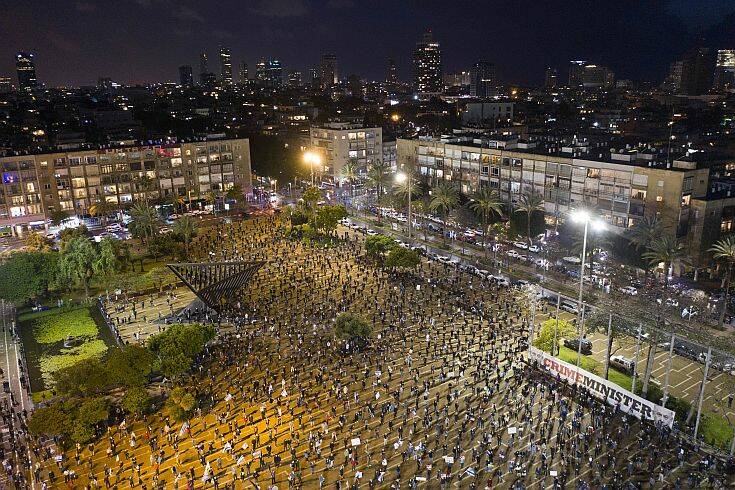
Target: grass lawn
<point>596,367</point>
<point>715,430</point>
<point>52,326</point>
<point>68,357</point>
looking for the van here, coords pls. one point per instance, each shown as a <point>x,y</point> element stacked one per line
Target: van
<point>573,344</point>
<point>623,364</point>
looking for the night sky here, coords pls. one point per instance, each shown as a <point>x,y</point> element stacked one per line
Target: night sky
<point>77,41</point>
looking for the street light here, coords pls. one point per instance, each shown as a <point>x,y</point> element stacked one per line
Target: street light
<point>402,177</point>
<point>312,159</point>
<point>582,216</point>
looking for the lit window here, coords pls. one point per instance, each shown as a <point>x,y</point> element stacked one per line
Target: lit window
<point>659,199</point>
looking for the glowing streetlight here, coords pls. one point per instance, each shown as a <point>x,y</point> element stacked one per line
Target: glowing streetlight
<point>402,177</point>
<point>312,159</point>
<point>395,118</point>
<point>582,216</point>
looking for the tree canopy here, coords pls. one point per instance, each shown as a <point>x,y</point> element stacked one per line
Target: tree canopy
<point>25,276</point>
<point>176,347</point>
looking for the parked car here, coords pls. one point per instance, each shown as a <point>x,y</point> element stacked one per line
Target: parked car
<point>630,290</point>
<point>534,248</point>
<point>623,364</point>
<point>574,345</point>
<point>521,245</point>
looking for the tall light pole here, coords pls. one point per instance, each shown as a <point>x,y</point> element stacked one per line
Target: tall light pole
<point>582,216</point>
<point>312,159</point>
<point>400,178</point>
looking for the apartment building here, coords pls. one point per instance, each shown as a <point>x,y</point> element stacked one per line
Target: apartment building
<point>342,142</point>
<point>622,186</point>
<point>35,186</point>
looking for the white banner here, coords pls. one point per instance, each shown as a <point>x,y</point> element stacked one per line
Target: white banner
<point>605,390</point>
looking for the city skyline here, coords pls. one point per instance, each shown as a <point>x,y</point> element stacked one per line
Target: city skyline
<point>120,43</point>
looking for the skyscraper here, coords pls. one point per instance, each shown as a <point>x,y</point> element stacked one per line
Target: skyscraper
<point>550,78</point>
<point>576,71</point>
<point>391,74</point>
<point>225,65</point>
<point>186,75</point>
<point>26,69</point>
<point>243,76</point>
<point>6,85</point>
<point>697,71</point>
<point>330,75</point>
<point>725,69</point>
<point>294,78</point>
<point>269,72</point>
<point>315,78</point>
<point>482,79</point>
<point>427,66</point>
<point>203,63</point>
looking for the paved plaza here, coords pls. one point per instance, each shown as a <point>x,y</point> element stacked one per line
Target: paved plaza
<point>441,398</point>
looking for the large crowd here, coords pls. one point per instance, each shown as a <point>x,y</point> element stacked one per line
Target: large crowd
<point>440,397</point>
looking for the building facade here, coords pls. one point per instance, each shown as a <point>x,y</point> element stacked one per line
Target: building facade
<point>225,66</point>
<point>35,186</point>
<point>186,76</point>
<point>427,66</point>
<point>482,79</point>
<point>622,188</point>
<point>26,69</point>
<point>329,70</point>
<point>342,142</point>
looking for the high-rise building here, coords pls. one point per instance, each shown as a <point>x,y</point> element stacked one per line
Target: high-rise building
<point>482,79</point>
<point>697,71</point>
<point>186,75</point>
<point>596,76</point>
<point>6,85</point>
<point>672,83</point>
<point>427,66</point>
<point>329,72</point>
<point>243,75</point>
<point>225,65</point>
<point>725,69</point>
<point>294,78</point>
<point>550,78</point>
<point>391,75</point>
<point>26,69</point>
<point>203,63</point>
<point>269,72</point>
<point>315,77</point>
<point>576,70</point>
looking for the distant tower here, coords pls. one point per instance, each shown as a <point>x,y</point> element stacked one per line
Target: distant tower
<point>243,75</point>
<point>330,74</point>
<point>26,69</point>
<point>203,67</point>
<point>427,66</point>
<point>225,65</point>
<point>576,72</point>
<point>391,74</point>
<point>550,78</point>
<point>186,75</point>
<point>482,79</point>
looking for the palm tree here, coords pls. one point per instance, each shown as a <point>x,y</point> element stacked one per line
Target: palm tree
<point>666,249</point>
<point>645,231</point>
<point>378,177</point>
<point>176,201</point>
<point>529,203</point>
<point>211,198</point>
<point>444,198</point>
<point>486,203</point>
<point>144,221</point>
<point>144,184</point>
<point>724,250</point>
<point>101,208</point>
<point>187,228</point>
<point>350,173</point>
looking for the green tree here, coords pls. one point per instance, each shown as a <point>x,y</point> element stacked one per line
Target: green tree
<point>186,228</point>
<point>129,366</point>
<point>85,377</point>
<point>144,221</point>
<point>136,401</point>
<point>350,173</point>
<point>144,184</point>
<point>58,216</point>
<point>724,251</point>
<point>444,199</point>
<point>403,258</point>
<point>235,192</point>
<point>176,347</point>
<point>101,209</point>
<point>77,263</point>
<point>646,231</point>
<point>327,218</point>
<point>353,329</point>
<point>93,411</point>
<point>181,403</point>
<point>529,204</point>
<point>52,420</point>
<point>667,250</point>
<point>377,176</point>
<point>108,256</point>
<point>36,242</point>
<point>176,201</point>
<point>27,275</point>
<point>311,197</point>
<point>377,245</point>
<point>486,203</point>
<point>547,341</point>
<point>68,234</point>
